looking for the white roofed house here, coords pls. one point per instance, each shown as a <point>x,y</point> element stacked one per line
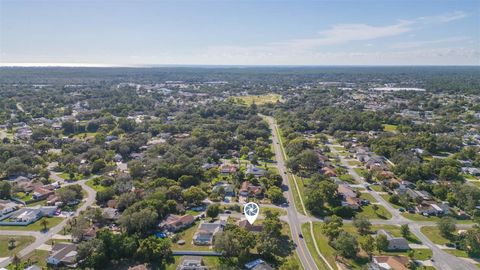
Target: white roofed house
<point>206,232</point>
<point>63,254</point>
<point>394,243</point>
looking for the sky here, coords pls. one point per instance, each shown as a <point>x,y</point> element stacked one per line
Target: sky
<point>242,32</point>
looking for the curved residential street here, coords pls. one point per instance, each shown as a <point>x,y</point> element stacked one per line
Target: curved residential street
<point>41,238</point>
<point>441,259</point>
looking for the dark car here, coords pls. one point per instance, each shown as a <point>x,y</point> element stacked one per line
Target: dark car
<point>300,235</point>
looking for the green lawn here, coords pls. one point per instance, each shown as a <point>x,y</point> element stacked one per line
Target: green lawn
<point>457,253</point>
<point>280,211</point>
<point>23,196</point>
<point>97,188</point>
<point>360,171</point>
<point>389,128</point>
<point>20,243</point>
<point>434,235</point>
<point>417,217</point>
<point>393,229</point>
<point>367,196</point>
<point>354,163</point>
<point>322,243</point>
<point>377,188</point>
<point>187,235</point>
<point>347,178</point>
<point>214,263</point>
<point>66,176</point>
<point>296,196</point>
<point>36,226</point>
<point>38,257</point>
<point>368,212</point>
<point>258,99</point>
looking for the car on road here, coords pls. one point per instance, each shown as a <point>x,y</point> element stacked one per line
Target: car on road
<point>228,212</point>
<point>300,235</point>
<point>401,209</point>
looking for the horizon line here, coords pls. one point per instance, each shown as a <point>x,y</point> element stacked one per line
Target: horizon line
<point>97,65</point>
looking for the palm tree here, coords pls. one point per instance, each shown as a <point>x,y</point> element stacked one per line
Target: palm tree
<point>16,260</point>
<point>44,223</point>
<point>11,243</point>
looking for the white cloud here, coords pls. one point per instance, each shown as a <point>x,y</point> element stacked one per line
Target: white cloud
<point>417,44</point>
<point>344,33</point>
<point>443,18</point>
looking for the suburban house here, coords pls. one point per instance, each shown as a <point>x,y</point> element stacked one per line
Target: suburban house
<point>110,214</point>
<point>345,191</point>
<point>349,196</point>
<point>53,200</point>
<point>63,254</point>
<point>112,203</point>
<point>254,170</point>
<point>395,262</point>
<point>7,207</point>
<point>244,224</point>
<point>27,215</point>
<point>205,233</point>
<point>394,243</point>
<point>249,190</point>
<point>258,264</point>
<point>412,193</point>
<point>191,263</point>
<point>352,202</point>
<point>175,223</point>
<point>228,188</point>
<point>228,169</point>
<point>139,267</point>
<point>328,171</point>
<point>40,193</point>
<point>429,208</point>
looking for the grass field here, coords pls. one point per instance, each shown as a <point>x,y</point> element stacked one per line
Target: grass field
<point>258,100</point>
<point>97,188</point>
<point>434,235</point>
<point>38,257</point>
<point>367,196</point>
<point>20,243</point>
<point>417,217</point>
<point>322,242</point>
<point>36,226</point>
<point>368,212</point>
<point>389,128</point>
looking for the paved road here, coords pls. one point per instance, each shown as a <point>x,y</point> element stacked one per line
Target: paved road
<point>441,259</point>
<point>292,215</point>
<point>41,238</point>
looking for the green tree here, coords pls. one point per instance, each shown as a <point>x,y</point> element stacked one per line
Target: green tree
<point>346,244</point>
<point>367,243</point>
<point>5,190</point>
<point>362,224</point>
<point>154,249</point>
<point>194,195</point>
<point>234,242</point>
<point>271,242</point>
<point>447,225</point>
<point>213,210</point>
<point>382,242</point>
<point>405,230</point>
<point>275,194</point>
<point>44,223</point>
<point>332,226</point>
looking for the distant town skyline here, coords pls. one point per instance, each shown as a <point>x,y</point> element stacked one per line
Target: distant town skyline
<point>146,33</point>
